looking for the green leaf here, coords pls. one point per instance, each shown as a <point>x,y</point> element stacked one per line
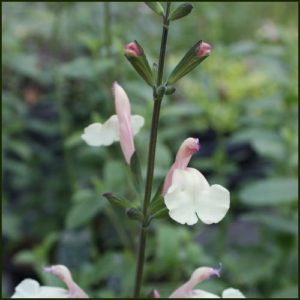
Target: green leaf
<point>24,257</point>
<point>73,140</point>
<point>136,173</point>
<point>181,11</point>
<point>117,200</point>
<point>265,142</point>
<point>270,192</point>
<point>288,292</point>
<point>273,221</point>
<point>83,211</point>
<point>11,226</point>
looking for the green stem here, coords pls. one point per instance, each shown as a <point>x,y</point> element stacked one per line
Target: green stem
<point>151,157</point>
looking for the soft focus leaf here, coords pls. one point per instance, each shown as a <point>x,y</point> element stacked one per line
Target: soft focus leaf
<point>83,211</point>
<point>289,292</point>
<point>274,221</point>
<point>269,192</point>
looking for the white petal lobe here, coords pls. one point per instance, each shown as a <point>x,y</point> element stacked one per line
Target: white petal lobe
<point>213,204</point>
<point>232,293</point>
<point>203,294</point>
<point>137,123</point>
<point>30,288</point>
<point>98,134</point>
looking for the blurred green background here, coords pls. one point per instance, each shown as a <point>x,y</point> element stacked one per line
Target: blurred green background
<point>59,62</point>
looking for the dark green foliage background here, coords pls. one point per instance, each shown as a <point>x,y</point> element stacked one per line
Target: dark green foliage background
<point>59,62</point>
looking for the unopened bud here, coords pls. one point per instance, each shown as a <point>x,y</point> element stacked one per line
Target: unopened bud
<point>132,49</point>
<point>160,91</point>
<point>181,11</point>
<point>204,49</point>
<point>134,214</point>
<point>154,294</point>
<point>191,60</point>
<point>170,90</point>
<point>136,56</point>
<point>117,200</point>
<point>156,7</point>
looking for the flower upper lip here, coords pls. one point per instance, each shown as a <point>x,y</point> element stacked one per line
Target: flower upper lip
<point>120,127</point>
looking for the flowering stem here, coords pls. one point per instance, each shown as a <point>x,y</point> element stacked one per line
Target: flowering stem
<point>151,156</point>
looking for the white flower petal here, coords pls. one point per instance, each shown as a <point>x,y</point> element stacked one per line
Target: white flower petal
<point>53,292</point>
<point>202,294</point>
<point>180,198</point>
<point>189,179</point>
<point>110,131</point>
<point>190,193</point>
<point>137,123</point>
<point>30,288</point>
<point>212,204</point>
<point>26,289</point>
<point>97,134</point>
<point>232,293</point>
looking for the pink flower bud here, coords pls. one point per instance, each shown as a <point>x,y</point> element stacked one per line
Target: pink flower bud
<point>184,155</point>
<point>123,111</point>
<point>204,49</point>
<point>132,49</point>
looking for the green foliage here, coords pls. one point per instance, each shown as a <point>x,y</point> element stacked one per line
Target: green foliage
<point>86,205</point>
<point>270,192</point>
<point>59,62</point>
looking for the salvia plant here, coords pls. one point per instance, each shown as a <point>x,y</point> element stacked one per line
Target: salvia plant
<point>185,194</point>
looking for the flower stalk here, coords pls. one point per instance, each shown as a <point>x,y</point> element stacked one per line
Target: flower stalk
<point>151,155</point>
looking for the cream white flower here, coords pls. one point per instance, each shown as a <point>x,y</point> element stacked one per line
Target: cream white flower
<point>30,288</point>
<point>120,127</point>
<point>188,195</point>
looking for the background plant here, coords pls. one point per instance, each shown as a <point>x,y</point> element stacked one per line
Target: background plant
<point>58,64</point>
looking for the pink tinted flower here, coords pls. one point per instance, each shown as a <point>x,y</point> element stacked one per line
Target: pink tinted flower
<point>204,49</point>
<point>184,155</point>
<point>199,275</point>
<point>187,194</point>
<point>30,288</point>
<point>132,49</point>
<point>120,127</point>
<point>123,111</point>
<point>64,274</point>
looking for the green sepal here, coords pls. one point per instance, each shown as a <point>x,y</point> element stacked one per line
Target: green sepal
<point>136,172</point>
<point>156,7</point>
<point>141,65</point>
<point>157,202</point>
<point>117,200</point>
<point>162,213</point>
<point>187,63</point>
<point>181,11</point>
